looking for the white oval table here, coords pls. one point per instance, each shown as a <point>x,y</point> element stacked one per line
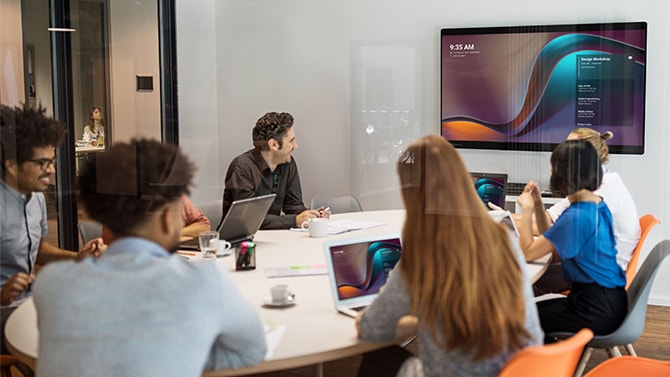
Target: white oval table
<point>313,331</point>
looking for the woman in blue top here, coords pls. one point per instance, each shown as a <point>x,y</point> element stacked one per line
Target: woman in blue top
<point>583,239</point>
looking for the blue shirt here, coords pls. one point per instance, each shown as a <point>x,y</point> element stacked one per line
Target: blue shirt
<point>23,224</point>
<point>584,238</point>
<point>140,311</point>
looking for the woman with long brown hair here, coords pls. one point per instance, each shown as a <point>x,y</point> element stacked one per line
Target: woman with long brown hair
<point>460,273</point>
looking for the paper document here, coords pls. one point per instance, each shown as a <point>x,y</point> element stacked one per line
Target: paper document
<point>302,270</point>
<point>273,334</point>
<point>344,226</point>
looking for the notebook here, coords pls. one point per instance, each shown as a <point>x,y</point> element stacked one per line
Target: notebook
<point>490,187</point>
<point>358,267</point>
<point>241,223</point>
<point>505,218</point>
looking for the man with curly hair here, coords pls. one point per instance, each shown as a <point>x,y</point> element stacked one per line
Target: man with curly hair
<point>141,309</point>
<point>28,142</point>
<point>269,168</point>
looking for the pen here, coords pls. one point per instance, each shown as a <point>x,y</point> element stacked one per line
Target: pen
<point>323,210</point>
<point>186,253</point>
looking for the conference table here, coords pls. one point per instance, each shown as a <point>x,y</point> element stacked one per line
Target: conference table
<point>309,332</point>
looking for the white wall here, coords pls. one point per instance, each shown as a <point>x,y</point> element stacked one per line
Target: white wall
<point>134,51</point>
<point>12,91</point>
<point>342,65</point>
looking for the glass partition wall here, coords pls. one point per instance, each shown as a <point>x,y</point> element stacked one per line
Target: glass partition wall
<point>66,71</point>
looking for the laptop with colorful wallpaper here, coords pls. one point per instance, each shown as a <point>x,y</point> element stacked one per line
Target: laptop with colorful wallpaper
<point>358,267</point>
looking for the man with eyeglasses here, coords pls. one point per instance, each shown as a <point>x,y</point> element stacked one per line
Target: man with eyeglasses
<point>28,141</point>
<point>269,168</point>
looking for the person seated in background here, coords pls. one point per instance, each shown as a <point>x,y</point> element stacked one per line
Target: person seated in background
<point>583,238</point>
<point>95,128</point>
<point>458,270</point>
<point>620,203</point>
<point>28,142</point>
<point>140,309</point>
<point>195,220</point>
<point>269,168</point>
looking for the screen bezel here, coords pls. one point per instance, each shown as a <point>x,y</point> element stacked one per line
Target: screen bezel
<point>544,146</point>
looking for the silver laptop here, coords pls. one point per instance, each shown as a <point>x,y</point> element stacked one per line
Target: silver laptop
<point>358,268</point>
<point>242,221</point>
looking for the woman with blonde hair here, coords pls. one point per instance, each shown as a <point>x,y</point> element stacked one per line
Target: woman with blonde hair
<point>460,273</point>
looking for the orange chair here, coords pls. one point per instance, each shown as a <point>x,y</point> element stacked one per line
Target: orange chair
<point>6,362</point>
<point>647,222</point>
<point>551,360</point>
<point>630,366</point>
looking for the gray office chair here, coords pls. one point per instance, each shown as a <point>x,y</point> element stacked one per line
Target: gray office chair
<point>339,204</point>
<point>213,211</point>
<point>632,326</point>
<point>89,230</point>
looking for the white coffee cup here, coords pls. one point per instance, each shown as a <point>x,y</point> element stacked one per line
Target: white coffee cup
<point>318,227</point>
<point>211,245</point>
<point>223,246</point>
<point>281,294</point>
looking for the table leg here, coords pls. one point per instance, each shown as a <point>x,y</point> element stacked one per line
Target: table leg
<point>319,370</point>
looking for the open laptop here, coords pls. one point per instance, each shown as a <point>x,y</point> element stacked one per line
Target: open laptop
<point>490,187</point>
<point>358,268</point>
<point>241,223</point>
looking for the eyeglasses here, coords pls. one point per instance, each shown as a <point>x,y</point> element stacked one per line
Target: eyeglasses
<point>44,163</point>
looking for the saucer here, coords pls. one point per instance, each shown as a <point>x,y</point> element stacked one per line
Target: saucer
<point>271,304</point>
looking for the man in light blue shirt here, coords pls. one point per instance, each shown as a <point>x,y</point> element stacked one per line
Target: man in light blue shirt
<point>28,139</point>
<point>140,309</point>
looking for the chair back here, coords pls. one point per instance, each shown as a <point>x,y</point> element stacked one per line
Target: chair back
<point>551,360</point>
<point>626,366</point>
<point>338,204</point>
<point>89,230</point>
<point>647,222</point>
<point>638,294</point>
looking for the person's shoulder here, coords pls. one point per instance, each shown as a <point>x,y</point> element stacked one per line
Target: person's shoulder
<point>51,274</point>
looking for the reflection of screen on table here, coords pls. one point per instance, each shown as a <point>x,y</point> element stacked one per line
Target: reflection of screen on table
<point>527,87</point>
<point>361,269</point>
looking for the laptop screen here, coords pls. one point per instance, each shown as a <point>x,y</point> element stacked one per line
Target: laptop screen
<point>490,187</point>
<point>361,268</point>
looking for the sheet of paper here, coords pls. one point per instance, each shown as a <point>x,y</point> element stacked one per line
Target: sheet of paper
<point>273,335</point>
<point>301,270</point>
<point>343,226</point>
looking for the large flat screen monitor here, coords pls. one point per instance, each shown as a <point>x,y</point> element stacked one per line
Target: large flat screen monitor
<point>527,87</point>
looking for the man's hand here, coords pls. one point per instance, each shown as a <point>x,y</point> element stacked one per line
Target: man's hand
<point>305,216</point>
<point>95,248</point>
<point>324,212</point>
<point>14,287</point>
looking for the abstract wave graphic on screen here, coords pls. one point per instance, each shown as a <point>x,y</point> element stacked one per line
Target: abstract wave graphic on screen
<point>368,277</point>
<point>506,88</point>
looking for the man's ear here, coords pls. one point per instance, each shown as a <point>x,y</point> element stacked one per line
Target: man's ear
<point>273,144</point>
<point>11,169</point>
<point>166,220</point>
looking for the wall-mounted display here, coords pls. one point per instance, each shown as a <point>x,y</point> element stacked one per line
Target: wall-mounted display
<point>527,87</point>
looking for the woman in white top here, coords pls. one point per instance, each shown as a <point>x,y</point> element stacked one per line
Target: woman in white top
<point>619,201</point>
<point>96,127</point>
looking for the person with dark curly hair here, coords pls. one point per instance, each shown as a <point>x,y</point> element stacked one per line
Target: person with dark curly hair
<point>141,309</point>
<point>28,142</point>
<point>269,168</point>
